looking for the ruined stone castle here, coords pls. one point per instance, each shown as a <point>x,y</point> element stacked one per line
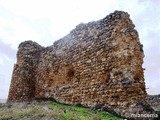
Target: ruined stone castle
<point>96,64</point>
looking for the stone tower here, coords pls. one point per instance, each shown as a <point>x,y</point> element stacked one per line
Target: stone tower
<point>96,64</point>
<point>23,79</point>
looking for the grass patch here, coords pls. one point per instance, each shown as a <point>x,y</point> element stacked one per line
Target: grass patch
<point>158,110</point>
<point>80,113</point>
<point>49,109</point>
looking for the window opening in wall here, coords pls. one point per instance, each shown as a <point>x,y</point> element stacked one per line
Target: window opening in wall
<point>70,73</point>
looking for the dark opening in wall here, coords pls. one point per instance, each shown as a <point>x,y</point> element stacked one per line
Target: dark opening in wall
<point>70,73</point>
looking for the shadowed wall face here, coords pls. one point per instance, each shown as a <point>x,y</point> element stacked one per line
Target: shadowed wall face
<point>96,64</point>
<point>23,79</point>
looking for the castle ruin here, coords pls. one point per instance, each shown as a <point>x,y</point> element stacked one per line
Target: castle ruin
<point>96,64</point>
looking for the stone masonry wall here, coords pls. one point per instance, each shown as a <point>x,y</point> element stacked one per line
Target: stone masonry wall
<point>23,79</point>
<point>96,64</point>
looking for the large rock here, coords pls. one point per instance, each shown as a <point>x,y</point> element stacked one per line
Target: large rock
<point>96,64</point>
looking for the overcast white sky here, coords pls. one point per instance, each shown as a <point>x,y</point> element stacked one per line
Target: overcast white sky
<point>45,21</point>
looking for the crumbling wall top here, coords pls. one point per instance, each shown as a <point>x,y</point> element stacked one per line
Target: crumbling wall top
<point>29,45</point>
